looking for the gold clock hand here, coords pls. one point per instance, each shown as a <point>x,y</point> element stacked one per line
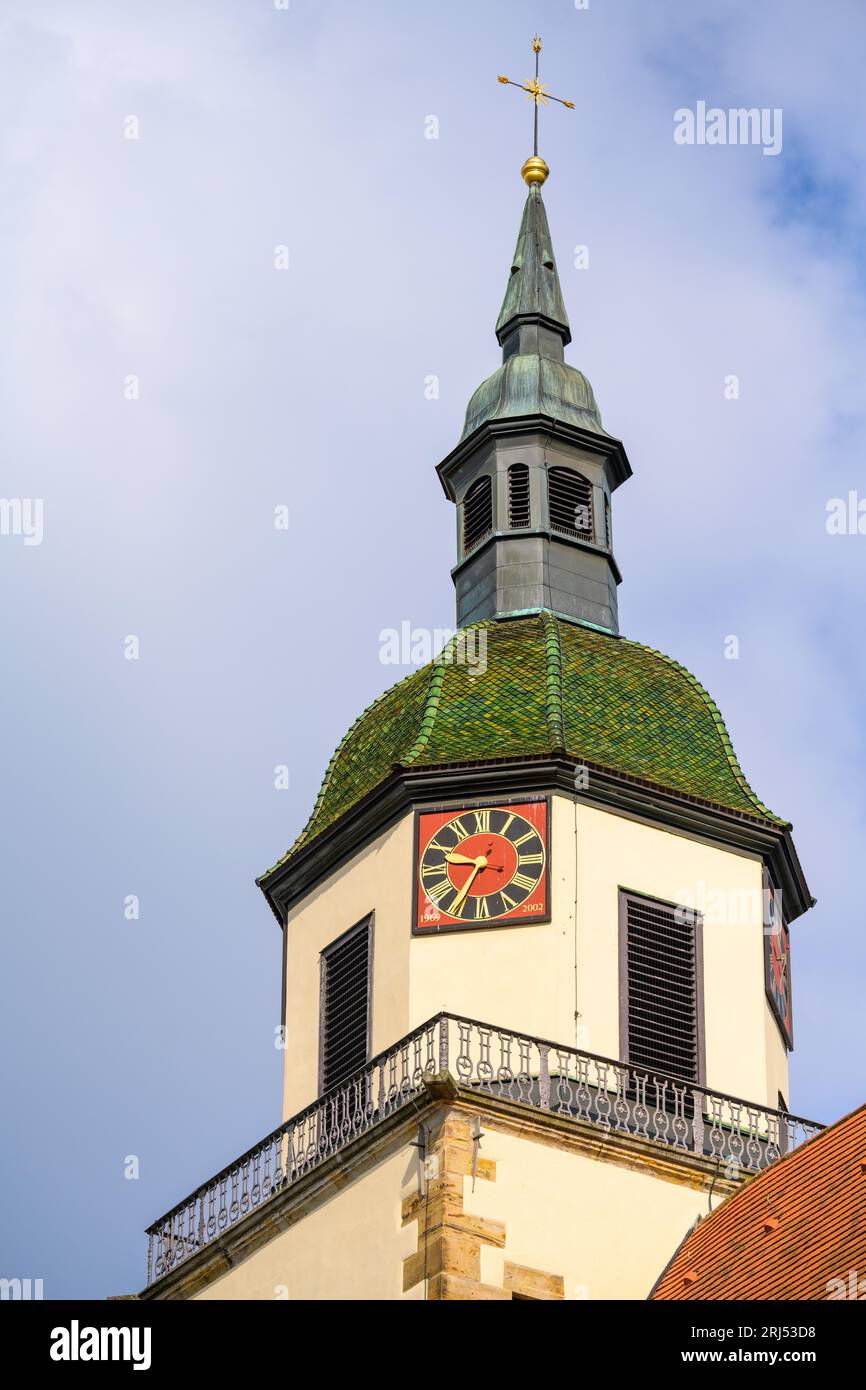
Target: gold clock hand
<point>461,896</point>
<point>459,859</point>
<point>480,863</point>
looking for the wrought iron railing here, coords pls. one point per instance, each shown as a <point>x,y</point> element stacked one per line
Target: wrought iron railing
<point>614,1096</point>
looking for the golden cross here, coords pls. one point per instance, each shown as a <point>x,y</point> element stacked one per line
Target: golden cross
<point>536,171</point>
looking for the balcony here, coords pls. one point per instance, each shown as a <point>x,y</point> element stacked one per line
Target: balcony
<point>609,1095</point>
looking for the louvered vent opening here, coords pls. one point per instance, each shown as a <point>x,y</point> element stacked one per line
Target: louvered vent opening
<point>477,514</point>
<point>570,497</point>
<point>608,533</point>
<point>662,990</point>
<point>345,1006</point>
<point>518,496</point>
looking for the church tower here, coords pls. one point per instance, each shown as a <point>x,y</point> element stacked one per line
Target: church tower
<point>536,971</point>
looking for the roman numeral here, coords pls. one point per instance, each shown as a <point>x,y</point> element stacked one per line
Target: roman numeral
<point>482,822</point>
<point>523,881</point>
<point>437,891</point>
<point>530,858</point>
<point>481,908</point>
<point>459,828</point>
<point>530,835</point>
<point>508,902</point>
<point>431,870</point>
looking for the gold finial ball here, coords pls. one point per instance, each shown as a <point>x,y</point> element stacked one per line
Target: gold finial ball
<point>534,171</point>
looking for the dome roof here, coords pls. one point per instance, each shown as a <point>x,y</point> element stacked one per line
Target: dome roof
<point>530,384</point>
<point>550,686</point>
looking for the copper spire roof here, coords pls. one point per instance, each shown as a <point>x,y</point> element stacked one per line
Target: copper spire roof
<point>533,290</point>
<point>532,329</point>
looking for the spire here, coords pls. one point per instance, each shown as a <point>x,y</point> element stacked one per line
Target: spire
<point>532,327</point>
<point>535,470</point>
<point>533,317</point>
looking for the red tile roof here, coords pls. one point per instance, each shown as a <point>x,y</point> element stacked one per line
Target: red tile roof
<point>789,1233</point>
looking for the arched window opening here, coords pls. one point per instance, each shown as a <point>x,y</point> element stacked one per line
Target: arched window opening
<point>570,499</point>
<point>518,496</point>
<point>477,514</point>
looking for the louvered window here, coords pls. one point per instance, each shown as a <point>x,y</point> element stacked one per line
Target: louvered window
<point>477,514</point>
<point>661,987</point>
<point>608,533</point>
<point>518,496</point>
<point>570,499</point>
<point>345,1005</point>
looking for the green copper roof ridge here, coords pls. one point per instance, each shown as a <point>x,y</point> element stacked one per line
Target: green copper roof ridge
<point>553,655</point>
<point>560,617</point>
<point>721,728</point>
<point>428,718</point>
<point>332,763</point>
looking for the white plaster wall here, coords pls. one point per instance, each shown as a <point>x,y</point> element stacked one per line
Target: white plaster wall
<point>614,852</point>
<point>378,879</point>
<point>351,1247</point>
<point>558,980</point>
<point>608,1231</point>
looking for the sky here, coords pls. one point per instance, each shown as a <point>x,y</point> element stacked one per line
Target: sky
<point>165,384</point>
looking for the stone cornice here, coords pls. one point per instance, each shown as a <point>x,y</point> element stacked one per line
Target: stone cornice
<point>409,787</point>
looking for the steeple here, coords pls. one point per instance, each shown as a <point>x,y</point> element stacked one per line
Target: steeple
<point>533,316</point>
<point>534,471</point>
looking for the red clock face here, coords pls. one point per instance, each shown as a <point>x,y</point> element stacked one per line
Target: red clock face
<point>777,967</point>
<point>482,867</point>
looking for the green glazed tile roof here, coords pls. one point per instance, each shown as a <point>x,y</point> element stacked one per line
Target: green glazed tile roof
<point>549,685</point>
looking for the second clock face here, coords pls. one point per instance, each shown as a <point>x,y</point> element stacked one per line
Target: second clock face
<point>481,866</point>
<point>777,967</point>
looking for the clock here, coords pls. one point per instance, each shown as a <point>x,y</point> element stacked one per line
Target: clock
<point>777,965</point>
<point>481,866</point>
